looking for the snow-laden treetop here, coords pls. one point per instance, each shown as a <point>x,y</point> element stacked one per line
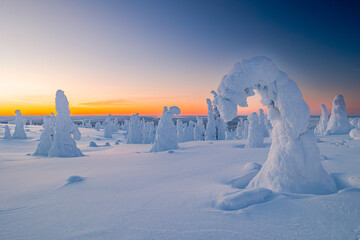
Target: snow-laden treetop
<point>62,104</point>
<point>278,92</point>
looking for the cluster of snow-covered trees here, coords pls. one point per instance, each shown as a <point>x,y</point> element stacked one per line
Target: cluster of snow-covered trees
<point>338,123</point>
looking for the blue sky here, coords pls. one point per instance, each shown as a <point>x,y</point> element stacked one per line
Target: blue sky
<point>173,52</point>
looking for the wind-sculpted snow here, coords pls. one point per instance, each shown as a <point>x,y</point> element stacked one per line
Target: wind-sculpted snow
<point>244,198</point>
<point>293,163</point>
<point>338,122</point>
<point>148,133</point>
<point>19,132</point>
<point>64,145</point>
<point>210,132</point>
<point>322,125</point>
<point>256,132</point>
<point>166,134</point>
<point>47,137</point>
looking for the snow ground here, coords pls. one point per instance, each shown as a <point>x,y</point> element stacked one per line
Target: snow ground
<point>125,192</point>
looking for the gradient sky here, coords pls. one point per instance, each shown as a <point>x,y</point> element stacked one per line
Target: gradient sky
<point>124,57</point>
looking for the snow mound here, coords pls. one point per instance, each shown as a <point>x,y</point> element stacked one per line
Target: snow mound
<point>249,172</point>
<point>343,180</point>
<point>107,144</point>
<point>244,199</point>
<point>93,144</point>
<point>355,133</point>
<point>74,179</point>
<point>19,132</point>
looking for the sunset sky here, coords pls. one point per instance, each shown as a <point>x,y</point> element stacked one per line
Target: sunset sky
<point>124,57</point>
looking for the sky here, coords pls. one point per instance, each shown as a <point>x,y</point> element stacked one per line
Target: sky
<point>137,56</point>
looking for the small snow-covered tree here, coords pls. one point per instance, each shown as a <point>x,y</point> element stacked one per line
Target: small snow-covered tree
<point>229,134</point>
<point>7,132</point>
<point>210,132</point>
<point>47,137</point>
<point>338,122</point>
<point>240,129</point>
<point>97,126</point>
<point>324,118</point>
<point>262,123</point>
<point>180,130</point>
<point>246,129</point>
<point>135,130</point>
<point>64,145</point>
<point>148,132</point>
<point>19,132</point>
<point>293,164</point>
<point>189,131</point>
<point>255,138</point>
<point>108,128</point>
<point>166,134</point>
<point>199,129</point>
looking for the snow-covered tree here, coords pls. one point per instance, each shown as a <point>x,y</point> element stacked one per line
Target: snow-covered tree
<point>148,132</point>
<point>338,122</point>
<point>240,129</point>
<point>189,131</point>
<point>210,132</point>
<point>64,145</point>
<point>108,128</point>
<point>97,126</point>
<point>180,130</point>
<point>135,129</point>
<point>324,118</point>
<point>293,164</point>
<point>166,134</point>
<point>47,137</point>
<point>246,129</point>
<point>199,129</point>
<point>229,134</point>
<point>7,132</point>
<point>262,123</point>
<point>255,138</point>
<point>19,132</point>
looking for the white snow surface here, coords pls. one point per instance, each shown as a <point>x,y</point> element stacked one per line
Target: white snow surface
<point>129,193</point>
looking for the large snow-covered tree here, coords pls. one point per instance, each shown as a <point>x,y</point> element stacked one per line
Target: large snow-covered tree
<point>64,145</point>
<point>293,163</point>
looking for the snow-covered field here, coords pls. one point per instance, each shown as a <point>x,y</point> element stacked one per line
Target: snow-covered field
<point>126,192</point>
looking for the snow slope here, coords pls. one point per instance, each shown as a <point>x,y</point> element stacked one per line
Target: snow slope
<point>125,192</point>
